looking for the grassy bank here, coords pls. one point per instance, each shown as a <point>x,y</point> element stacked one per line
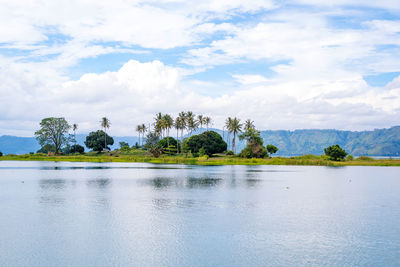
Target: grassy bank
<point>310,160</point>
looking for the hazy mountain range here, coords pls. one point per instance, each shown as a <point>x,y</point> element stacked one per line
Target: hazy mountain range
<point>379,142</point>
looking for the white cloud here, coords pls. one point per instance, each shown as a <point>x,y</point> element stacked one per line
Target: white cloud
<point>134,93</point>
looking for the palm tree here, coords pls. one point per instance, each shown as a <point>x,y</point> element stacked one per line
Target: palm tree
<point>207,121</point>
<point>168,122</point>
<point>236,127</point>
<point>201,120</point>
<point>74,128</point>
<point>179,125</point>
<point>182,116</point>
<point>249,124</point>
<point>158,124</point>
<point>139,130</point>
<point>144,130</point>
<point>228,125</point>
<point>105,123</point>
<point>191,122</point>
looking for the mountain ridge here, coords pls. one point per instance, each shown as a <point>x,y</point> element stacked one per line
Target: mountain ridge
<point>377,142</point>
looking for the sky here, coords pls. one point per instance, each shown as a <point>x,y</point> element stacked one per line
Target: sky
<point>300,64</point>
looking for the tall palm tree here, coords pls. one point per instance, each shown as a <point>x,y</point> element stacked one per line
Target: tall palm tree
<point>144,130</point>
<point>191,122</point>
<point>236,127</point>
<point>228,125</point>
<point>105,123</point>
<point>139,130</point>
<point>201,120</point>
<point>182,116</point>
<point>249,124</point>
<point>74,128</point>
<point>168,122</point>
<point>158,124</point>
<point>178,124</point>
<point>207,121</point>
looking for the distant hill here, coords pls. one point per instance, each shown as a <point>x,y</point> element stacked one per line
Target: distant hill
<point>379,142</point>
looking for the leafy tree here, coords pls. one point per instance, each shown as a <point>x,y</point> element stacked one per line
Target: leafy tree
<point>335,152</point>
<point>95,141</point>
<point>105,124</point>
<point>1,154</point>
<point>166,142</point>
<point>254,148</point>
<point>210,141</point>
<point>53,131</point>
<point>272,149</point>
<point>152,139</point>
<point>76,149</point>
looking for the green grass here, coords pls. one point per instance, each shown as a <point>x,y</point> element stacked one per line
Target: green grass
<point>142,156</point>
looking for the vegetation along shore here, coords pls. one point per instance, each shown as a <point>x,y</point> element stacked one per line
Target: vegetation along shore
<point>58,143</point>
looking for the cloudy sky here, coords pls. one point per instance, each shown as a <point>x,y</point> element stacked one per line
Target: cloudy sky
<point>284,64</point>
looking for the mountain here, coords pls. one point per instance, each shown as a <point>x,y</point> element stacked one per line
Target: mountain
<point>379,142</point>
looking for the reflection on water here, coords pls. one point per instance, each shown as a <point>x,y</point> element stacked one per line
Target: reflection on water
<point>52,184</point>
<point>116,214</point>
<point>203,182</point>
<point>101,183</point>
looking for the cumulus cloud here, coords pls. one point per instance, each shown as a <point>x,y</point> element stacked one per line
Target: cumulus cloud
<point>135,92</point>
<point>312,77</point>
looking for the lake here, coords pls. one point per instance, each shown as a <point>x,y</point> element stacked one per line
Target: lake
<point>138,214</point>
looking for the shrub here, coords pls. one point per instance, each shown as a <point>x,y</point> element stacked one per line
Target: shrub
<point>210,141</point>
<point>202,152</point>
<point>167,141</point>
<point>349,158</point>
<point>271,149</point>
<point>1,154</point>
<point>77,149</point>
<point>229,153</point>
<point>254,151</point>
<point>335,153</point>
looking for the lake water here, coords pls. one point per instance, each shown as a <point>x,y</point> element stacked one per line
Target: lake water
<point>137,214</point>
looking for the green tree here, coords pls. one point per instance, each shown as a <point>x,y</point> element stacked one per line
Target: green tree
<point>76,149</point>
<point>254,148</point>
<point>139,130</point>
<point>207,121</point>
<point>74,128</point>
<point>105,124</point>
<point>271,149</point>
<point>46,149</point>
<point>210,141</point>
<point>166,142</point>
<point>98,141</point>
<point>191,122</point>
<point>234,126</point>
<point>249,124</point>
<point>335,152</point>
<point>53,131</point>
<point>201,120</point>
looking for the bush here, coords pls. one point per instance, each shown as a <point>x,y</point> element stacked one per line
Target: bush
<point>46,149</point>
<point>349,158</point>
<point>210,141</point>
<point>271,149</point>
<point>335,153</point>
<point>167,141</point>
<point>254,151</point>
<point>229,153</point>
<point>1,154</point>
<point>202,152</point>
<point>77,149</point>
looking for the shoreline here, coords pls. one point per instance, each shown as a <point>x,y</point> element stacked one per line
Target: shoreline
<point>306,160</point>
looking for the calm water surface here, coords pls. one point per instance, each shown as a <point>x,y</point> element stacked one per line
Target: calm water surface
<point>124,214</point>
